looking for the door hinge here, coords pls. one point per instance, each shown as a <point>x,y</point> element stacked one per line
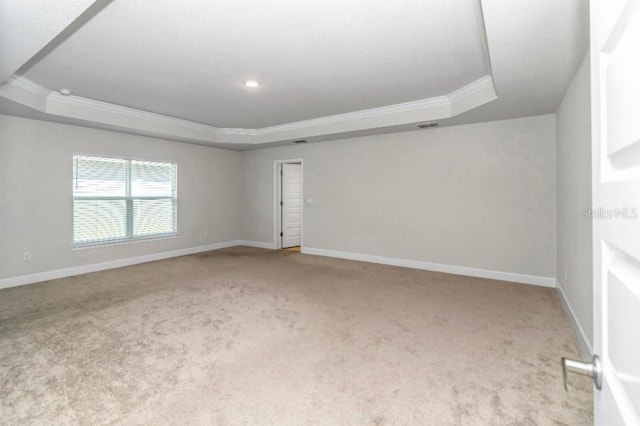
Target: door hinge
<point>281,203</point>
<point>281,234</point>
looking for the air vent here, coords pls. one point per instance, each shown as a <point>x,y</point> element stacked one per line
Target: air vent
<point>300,141</point>
<point>428,125</point>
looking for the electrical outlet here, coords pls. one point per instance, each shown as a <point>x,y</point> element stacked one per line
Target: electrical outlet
<point>26,256</point>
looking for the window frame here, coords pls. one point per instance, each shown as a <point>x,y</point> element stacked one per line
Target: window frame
<point>129,203</point>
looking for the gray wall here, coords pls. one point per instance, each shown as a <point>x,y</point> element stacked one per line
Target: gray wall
<point>479,195</point>
<point>36,193</point>
<point>574,193</point>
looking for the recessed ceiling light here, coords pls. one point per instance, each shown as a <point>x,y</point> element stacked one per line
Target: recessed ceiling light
<point>65,92</point>
<point>251,83</point>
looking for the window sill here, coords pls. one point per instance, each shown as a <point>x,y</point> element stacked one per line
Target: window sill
<point>84,246</point>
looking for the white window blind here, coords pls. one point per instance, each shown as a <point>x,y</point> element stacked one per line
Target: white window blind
<point>117,200</point>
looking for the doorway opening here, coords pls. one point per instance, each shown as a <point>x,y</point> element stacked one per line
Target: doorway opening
<point>288,204</point>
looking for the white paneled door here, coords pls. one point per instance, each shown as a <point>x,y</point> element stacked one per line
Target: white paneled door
<point>615,82</point>
<point>291,205</point>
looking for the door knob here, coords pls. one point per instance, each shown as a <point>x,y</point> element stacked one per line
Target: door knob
<point>592,369</point>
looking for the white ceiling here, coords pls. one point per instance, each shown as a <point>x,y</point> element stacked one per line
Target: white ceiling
<point>314,60</point>
<point>188,59</point>
<point>536,47</point>
<point>17,45</point>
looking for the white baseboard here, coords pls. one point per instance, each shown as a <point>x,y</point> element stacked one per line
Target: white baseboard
<point>101,266</point>
<point>257,244</point>
<point>436,267</point>
<point>585,347</point>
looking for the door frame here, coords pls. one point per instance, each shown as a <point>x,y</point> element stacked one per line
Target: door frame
<point>277,211</point>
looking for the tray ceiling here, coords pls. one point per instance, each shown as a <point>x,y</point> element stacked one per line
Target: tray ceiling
<point>326,68</point>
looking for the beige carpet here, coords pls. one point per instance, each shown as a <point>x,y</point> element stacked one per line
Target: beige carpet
<point>246,336</point>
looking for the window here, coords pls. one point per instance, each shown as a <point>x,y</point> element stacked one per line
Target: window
<point>118,200</point>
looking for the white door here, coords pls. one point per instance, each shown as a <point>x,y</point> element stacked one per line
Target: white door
<point>615,84</point>
<point>291,205</point>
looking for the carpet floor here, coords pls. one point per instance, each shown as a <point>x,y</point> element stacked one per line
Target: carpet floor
<point>245,336</point>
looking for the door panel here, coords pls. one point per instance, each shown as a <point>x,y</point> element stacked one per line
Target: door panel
<point>622,318</point>
<point>621,70</point>
<point>291,205</point>
<point>615,74</point>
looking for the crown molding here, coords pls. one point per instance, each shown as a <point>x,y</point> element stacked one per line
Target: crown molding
<point>90,111</point>
<point>25,92</point>
<point>476,93</point>
<point>30,86</point>
<point>471,89</point>
<point>435,102</point>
